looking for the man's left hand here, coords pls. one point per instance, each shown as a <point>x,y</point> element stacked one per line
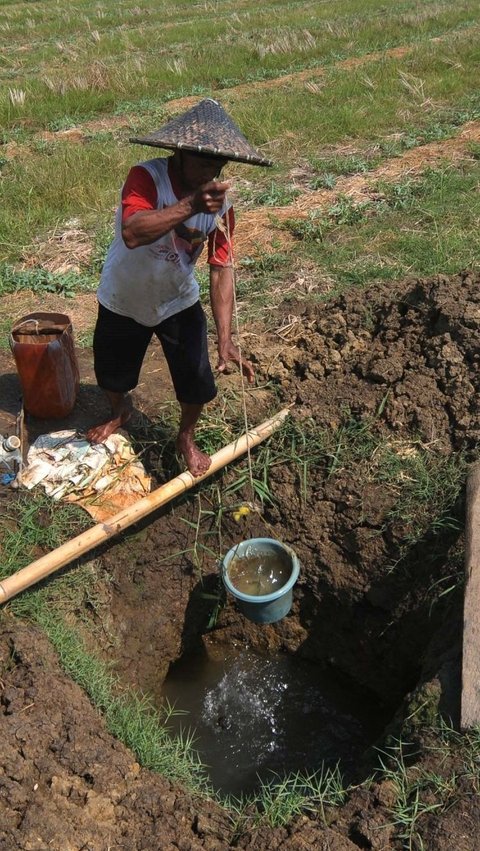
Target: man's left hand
<point>231,352</point>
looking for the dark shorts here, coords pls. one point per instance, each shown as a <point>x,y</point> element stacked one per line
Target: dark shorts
<point>120,344</point>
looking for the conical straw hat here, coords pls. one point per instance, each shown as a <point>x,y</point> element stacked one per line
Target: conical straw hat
<point>207,129</point>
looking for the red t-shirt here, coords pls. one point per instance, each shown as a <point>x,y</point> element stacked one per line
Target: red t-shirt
<point>140,193</point>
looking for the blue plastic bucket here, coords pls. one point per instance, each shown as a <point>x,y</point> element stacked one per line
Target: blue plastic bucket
<point>265,608</point>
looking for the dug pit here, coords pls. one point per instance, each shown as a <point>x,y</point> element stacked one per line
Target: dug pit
<point>367,605</point>
<point>375,627</point>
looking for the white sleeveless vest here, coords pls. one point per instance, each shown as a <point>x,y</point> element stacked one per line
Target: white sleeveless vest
<point>155,281</point>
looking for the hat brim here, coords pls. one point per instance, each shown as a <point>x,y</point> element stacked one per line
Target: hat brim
<point>233,156</point>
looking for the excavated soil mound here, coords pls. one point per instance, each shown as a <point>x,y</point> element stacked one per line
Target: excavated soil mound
<point>413,349</point>
<point>403,356</point>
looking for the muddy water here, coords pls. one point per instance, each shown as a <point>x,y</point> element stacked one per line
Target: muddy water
<point>256,715</point>
<point>259,573</point>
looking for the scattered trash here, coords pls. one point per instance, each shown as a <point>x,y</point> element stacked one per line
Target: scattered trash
<point>103,478</point>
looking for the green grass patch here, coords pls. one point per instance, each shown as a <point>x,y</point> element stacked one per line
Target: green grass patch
<point>84,64</point>
<point>422,226</point>
<point>68,181</point>
<point>30,526</point>
<point>427,91</point>
<point>367,104</point>
<point>39,281</point>
<point>275,194</point>
<point>280,800</point>
<point>75,183</point>
<point>255,275</point>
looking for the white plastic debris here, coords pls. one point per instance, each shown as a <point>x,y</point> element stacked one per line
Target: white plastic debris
<point>103,477</point>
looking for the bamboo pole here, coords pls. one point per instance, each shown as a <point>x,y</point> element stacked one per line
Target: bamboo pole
<point>47,564</point>
<point>470,705</point>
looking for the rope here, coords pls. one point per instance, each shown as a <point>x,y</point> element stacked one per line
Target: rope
<point>226,229</point>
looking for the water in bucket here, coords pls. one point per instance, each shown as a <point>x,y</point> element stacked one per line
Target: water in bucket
<point>259,571</point>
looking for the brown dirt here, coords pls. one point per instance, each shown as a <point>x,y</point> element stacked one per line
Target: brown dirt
<point>65,783</point>
<point>411,349</point>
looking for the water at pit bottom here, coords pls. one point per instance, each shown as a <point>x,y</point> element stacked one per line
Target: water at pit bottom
<point>254,715</point>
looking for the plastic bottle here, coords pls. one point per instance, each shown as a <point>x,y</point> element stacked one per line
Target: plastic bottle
<point>10,455</point>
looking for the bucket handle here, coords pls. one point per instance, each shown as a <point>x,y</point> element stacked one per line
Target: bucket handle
<point>25,322</point>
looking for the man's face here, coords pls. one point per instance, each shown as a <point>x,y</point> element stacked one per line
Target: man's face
<point>197,169</point>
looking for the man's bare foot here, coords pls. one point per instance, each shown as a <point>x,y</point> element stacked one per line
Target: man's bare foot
<point>197,462</point>
<point>120,416</point>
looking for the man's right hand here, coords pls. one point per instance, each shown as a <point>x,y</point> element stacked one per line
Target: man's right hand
<point>210,197</point>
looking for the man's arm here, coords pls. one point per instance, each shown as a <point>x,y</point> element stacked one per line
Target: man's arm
<point>221,299</point>
<point>146,226</point>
